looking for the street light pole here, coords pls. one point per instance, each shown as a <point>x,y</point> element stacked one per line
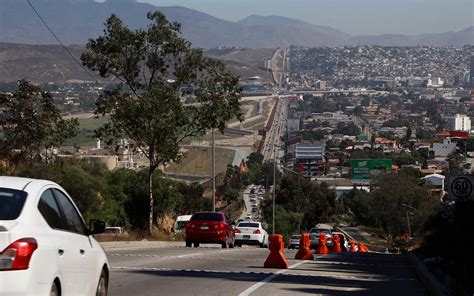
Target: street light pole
<point>213,172</point>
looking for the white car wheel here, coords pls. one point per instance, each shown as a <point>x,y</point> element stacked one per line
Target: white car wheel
<point>102,287</point>
<point>54,290</point>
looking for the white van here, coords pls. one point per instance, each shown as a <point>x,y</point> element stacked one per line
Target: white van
<point>180,224</point>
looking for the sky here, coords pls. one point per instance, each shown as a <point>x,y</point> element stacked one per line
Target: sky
<point>356,17</point>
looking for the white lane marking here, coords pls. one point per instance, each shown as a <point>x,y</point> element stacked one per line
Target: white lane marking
<point>269,279</point>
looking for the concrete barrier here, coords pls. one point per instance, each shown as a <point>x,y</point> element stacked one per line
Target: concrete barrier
<point>427,278</point>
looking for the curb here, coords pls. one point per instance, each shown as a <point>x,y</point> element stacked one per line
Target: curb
<point>432,285</point>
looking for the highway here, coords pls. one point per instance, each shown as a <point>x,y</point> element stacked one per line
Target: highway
<point>248,205</point>
<point>277,129</point>
<point>210,270</point>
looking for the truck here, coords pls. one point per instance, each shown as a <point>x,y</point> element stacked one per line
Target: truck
<point>180,224</point>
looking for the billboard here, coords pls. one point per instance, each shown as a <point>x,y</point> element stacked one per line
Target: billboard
<point>366,169</point>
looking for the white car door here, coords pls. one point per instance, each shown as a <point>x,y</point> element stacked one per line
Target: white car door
<point>71,263</point>
<point>84,271</point>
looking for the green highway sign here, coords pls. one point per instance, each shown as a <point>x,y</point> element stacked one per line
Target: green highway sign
<point>367,169</point>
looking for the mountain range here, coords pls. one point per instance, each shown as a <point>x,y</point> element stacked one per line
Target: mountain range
<point>75,21</point>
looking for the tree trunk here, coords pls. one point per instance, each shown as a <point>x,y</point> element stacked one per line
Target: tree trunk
<point>150,188</point>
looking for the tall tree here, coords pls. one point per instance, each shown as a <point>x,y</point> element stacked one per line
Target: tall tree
<point>30,123</point>
<point>153,65</point>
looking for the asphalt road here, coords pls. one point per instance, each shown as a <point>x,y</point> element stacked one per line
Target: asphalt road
<point>214,271</point>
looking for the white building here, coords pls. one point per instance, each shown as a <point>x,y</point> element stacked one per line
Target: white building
<point>444,149</point>
<point>435,82</point>
<point>459,123</point>
<point>435,180</point>
<point>310,151</point>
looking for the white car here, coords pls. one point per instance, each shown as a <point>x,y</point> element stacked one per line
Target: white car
<point>45,246</point>
<point>251,233</point>
<point>314,235</point>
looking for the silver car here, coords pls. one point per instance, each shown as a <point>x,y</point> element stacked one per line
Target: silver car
<point>294,242</point>
<point>314,236</point>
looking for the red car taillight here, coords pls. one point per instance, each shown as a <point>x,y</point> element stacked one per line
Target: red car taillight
<point>219,226</point>
<point>257,231</point>
<point>17,255</point>
<point>237,230</point>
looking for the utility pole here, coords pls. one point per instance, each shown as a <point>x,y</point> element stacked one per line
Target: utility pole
<point>408,223</point>
<point>213,172</point>
<point>274,188</point>
<point>408,218</point>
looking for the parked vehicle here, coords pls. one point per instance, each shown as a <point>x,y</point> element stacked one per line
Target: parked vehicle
<point>251,233</point>
<point>314,235</point>
<point>209,228</point>
<point>294,242</point>
<point>180,224</point>
<point>45,246</point>
<point>112,232</point>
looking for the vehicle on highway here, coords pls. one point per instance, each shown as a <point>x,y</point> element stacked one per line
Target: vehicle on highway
<point>180,224</point>
<point>314,235</point>
<point>251,233</point>
<point>45,246</point>
<point>343,241</point>
<point>294,241</point>
<point>209,228</point>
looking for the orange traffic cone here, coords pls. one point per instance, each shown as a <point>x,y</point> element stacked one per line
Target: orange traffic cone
<point>353,248</point>
<point>336,244</point>
<point>363,248</point>
<point>322,248</point>
<point>276,259</point>
<point>304,253</point>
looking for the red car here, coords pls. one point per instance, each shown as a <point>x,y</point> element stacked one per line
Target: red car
<point>209,228</point>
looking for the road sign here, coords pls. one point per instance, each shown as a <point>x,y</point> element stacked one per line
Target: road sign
<point>461,187</point>
<point>366,169</point>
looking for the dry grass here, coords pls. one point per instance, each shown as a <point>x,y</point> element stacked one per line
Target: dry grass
<point>198,161</point>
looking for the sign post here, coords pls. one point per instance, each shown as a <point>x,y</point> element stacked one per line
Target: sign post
<point>461,187</point>
<point>461,190</point>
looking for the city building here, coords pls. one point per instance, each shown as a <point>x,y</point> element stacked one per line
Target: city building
<point>458,123</point>
<point>309,152</point>
<point>471,72</point>
<point>444,149</point>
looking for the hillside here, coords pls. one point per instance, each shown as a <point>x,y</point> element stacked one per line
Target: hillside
<point>75,21</point>
<point>51,63</point>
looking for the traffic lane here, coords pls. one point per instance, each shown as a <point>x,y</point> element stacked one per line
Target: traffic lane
<point>348,274</point>
<point>248,259</point>
<point>358,274</point>
<point>181,282</point>
<point>138,257</point>
<point>216,272</point>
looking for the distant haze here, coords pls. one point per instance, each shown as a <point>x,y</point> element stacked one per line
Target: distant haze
<point>356,17</point>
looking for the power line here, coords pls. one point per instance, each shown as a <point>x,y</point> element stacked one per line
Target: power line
<point>60,42</point>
